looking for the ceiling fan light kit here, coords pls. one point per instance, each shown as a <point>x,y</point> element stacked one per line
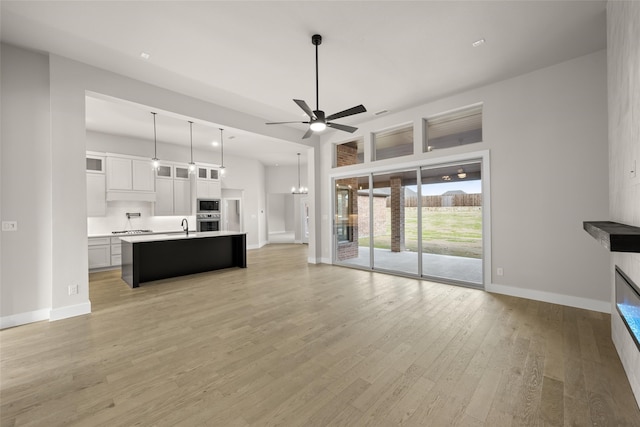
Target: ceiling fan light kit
<point>317,119</point>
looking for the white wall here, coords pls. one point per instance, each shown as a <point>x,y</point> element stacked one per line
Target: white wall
<point>280,179</point>
<point>623,42</point>
<point>547,136</point>
<point>25,276</point>
<point>57,252</point>
<point>277,206</point>
<point>248,174</point>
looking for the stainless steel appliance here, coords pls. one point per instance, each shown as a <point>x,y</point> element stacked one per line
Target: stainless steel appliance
<point>206,206</point>
<point>208,222</point>
<point>132,232</point>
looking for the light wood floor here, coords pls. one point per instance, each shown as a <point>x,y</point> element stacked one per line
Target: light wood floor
<point>287,343</point>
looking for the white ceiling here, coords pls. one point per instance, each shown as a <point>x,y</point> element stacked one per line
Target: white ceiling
<point>255,57</point>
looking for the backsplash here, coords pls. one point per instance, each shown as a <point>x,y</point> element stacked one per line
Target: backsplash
<point>116,219</point>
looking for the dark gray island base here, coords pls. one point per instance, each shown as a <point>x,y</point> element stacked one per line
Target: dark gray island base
<point>155,257</point>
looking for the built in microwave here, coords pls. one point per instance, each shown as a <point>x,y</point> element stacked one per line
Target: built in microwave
<point>208,205</point>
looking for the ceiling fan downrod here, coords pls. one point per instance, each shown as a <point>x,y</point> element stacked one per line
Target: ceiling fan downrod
<point>316,39</point>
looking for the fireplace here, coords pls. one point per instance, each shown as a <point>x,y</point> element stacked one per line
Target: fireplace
<point>628,304</point>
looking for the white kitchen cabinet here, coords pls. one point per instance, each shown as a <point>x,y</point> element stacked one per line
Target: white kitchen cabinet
<point>116,252</point>
<point>208,173</point>
<point>208,189</point>
<point>173,195</point>
<point>143,176</point>
<point>164,171</point>
<point>164,197</point>
<point>96,184</point>
<point>125,174</point>
<point>181,197</point>
<point>181,172</point>
<point>96,194</point>
<point>208,184</point>
<point>95,162</point>
<point>119,174</point>
<point>99,252</point>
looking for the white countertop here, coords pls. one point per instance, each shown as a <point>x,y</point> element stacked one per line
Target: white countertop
<point>140,238</point>
<point>91,236</point>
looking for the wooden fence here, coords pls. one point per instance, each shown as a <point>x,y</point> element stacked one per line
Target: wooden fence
<point>443,201</point>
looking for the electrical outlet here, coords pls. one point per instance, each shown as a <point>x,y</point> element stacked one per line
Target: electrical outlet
<point>500,271</point>
<point>9,225</point>
<point>73,290</point>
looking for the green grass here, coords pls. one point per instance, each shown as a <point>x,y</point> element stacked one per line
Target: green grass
<point>445,231</point>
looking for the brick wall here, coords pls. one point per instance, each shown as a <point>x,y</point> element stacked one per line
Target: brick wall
<point>397,214</point>
<point>346,155</point>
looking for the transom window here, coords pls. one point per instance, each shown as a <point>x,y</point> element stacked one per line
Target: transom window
<point>393,143</point>
<point>453,129</point>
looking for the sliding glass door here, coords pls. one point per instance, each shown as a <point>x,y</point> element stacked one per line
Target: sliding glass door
<point>424,222</point>
<point>395,225</point>
<point>452,222</point>
<point>352,221</point>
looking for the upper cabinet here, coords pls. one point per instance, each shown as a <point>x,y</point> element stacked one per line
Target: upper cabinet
<point>95,163</point>
<point>173,190</point>
<point>208,173</point>
<point>96,185</point>
<point>130,179</point>
<point>208,184</point>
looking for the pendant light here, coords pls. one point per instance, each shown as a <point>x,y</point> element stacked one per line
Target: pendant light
<point>300,189</point>
<point>154,161</point>
<point>221,153</point>
<point>192,166</point>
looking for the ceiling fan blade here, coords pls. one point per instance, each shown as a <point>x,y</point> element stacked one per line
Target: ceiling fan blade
<point>350,112</point>
<point>304,107</point>
<point>308,134</point>
<point>283,123</point>
<point>345,128</point>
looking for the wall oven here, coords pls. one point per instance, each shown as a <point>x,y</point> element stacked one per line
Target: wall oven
<point>208,222</point>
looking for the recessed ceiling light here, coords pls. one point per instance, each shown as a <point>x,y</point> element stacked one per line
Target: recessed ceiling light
<point>231,137</point>
<point>215,143</point>
<point>477,43</point>
<point>145,55</point>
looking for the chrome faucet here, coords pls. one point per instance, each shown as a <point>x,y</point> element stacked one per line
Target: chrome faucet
<point>184,221</point>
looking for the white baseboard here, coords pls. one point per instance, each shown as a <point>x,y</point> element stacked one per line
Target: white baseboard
<point>70,311</point>
<point>311,260</point>
<point>577,302</point>
<point>24,318</point>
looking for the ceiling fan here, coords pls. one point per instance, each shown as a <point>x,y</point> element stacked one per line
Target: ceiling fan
<point>317,119</point>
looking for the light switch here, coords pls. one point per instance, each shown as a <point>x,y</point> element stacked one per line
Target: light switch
<point>9,225</point>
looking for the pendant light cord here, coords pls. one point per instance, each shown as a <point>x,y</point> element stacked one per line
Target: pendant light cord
<point>191,136</point>
<point>155,142</point>
<point>221,149</point>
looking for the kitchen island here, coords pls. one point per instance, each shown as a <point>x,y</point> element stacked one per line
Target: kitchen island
<point>160,256</point>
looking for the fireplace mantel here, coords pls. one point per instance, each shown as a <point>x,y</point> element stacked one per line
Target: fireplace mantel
<point>615,236</point>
